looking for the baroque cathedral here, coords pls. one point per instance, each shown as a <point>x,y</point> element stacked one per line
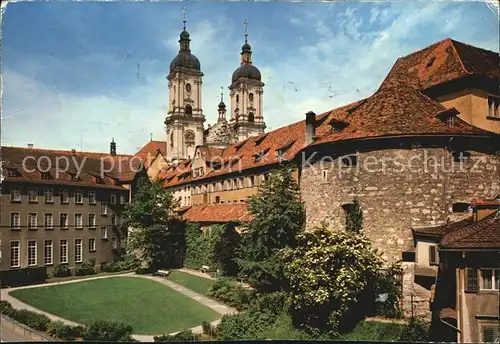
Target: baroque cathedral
<point>185,120</point>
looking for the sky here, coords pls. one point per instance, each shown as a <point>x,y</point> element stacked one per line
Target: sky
<point>76,74</point>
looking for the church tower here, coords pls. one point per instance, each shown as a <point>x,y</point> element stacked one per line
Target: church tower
<point>246,92</point>
<point>184,120</point>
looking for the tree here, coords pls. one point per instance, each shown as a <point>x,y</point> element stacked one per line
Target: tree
<point>331,274</point>
<point>354,218</point>
<point>155,233</point>
<point>278,215</point>
<point>225,250</point>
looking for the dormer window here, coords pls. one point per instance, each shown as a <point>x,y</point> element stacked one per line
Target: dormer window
<point>74,177</point>
<point>239,145</point>
<point>12,172</point>
<point>493,106</point>
<point>430,62</point>
<point>283,149</point>
<point>260,139</point>
<point>448,116</point>
<point>259,156</point>
<point>338,125</point>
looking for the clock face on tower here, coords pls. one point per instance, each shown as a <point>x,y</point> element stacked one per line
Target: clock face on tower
<point>189,138</point>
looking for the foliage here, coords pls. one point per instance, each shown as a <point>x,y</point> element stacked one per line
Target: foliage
<point>331,275</point>
<point>85,269</point>
<point>389,282</point>
<point>60,330</point>
<point>224,250</point>
<point>108,331</point>
<point>230,292</point>
<point>209,329</point>
<point>31,319</point>
<point>61,270</point>
<point>354,218</point>
<point>127,262</point>
<point>183,336</point>
<point>374,331</point>
<point>24,276</point>
<point>6,308</point>
<point>156,236</point>
<point>417,330</point>
<point>278,215</point>
<point>199,246</point>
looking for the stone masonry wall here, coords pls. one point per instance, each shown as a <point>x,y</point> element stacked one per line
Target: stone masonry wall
<point>398,189</point>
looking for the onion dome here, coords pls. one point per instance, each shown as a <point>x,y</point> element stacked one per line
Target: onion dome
<point>185,59</point>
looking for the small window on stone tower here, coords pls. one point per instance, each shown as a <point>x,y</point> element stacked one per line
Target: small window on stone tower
<point>237,98</point>
<point>188,110</point>
<point>250,97</point>
<point>188,87</point>
<point>251,117</point>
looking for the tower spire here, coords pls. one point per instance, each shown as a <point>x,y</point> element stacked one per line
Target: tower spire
<point>245,24</point>
<point>184,20</point>
<point>221,92</point>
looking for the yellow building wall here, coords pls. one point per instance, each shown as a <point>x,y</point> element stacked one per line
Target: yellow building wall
<point>473,107</point>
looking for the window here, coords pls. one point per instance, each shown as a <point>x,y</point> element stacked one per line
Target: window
<point>63,251</point>
<point>78,221</point>
<point>490,333</point>
<point>324,175</point>
<point>32,221</point>
<point>461,207</point>
<point>104,209</point>
<point>78,197</point>
<point>113,199</point>
<point>32,195</point>
<point>490,279</point>
<point>48,221</point>
<point>241,182</point>
<point>123,199</point>
<point>74,177</point>
<point>237,98</point>
<point>15,220</point>
<point>49,195</point>
<point>15,195</point>
<point>91,220</point>
<point>472,283</point>
<point>251,181</point>
<point>47,252</point>
<point>188,110</point>
<point>114,242</point>
<point>63,220</point>
<point>104,232</point>
<point>91,197</point>
<point>91,244</point>
<point>217,199</point>
<point>113,219</point>
<point>433,255</point>
<point>250,97</point>
<point>450,120</point>
<point>31,253</point>
<point>460,156</point>
<point>251,117</point>
<point>15,249</point>
<point>78,251</point>
<point>188,87</point>
<point>12,172</point>
<point>64,196</point>
<point>46,176</point>
<point>493,104</point>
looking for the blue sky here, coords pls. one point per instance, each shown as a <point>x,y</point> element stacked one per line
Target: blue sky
<point>76,74</point>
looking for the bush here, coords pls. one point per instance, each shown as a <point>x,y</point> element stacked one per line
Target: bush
<point>417,330</point>
<point>31,319</point>
<point>389,282</point>
<point>60,330</point>
<point>61,270</point>
<point>108,331</point>
<point>20,277</point>
<point>199,246</point>
<point>184,336</point>
<point>128,262</point>
<point>6,308</point>
<point>209,329</point>
<point>230,292</point>
<point>85,269</point>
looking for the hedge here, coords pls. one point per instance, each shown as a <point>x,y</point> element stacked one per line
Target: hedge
<point>21,277</point>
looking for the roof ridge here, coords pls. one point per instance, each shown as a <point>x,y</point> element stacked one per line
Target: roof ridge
<point>63,151</point>
<point>458,56</point>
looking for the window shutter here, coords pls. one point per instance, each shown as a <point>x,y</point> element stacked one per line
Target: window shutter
<point>472,284</point>
<point>490,334</point>
<point>432,255</point>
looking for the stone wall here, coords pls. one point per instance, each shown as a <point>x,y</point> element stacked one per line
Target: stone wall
<point>397,189</point>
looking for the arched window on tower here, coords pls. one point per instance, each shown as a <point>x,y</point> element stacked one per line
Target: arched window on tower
<point>237,98</point>
<point>251,117</point>
<point>188,110</point>
<point>250,97</point>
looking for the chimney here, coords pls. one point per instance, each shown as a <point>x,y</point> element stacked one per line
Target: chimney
<point>112,147</point>
<point>310,127</point>
<point>30,145</point>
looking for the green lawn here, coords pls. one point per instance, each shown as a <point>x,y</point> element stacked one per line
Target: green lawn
<point>197,284</point>
<point>148,306</point>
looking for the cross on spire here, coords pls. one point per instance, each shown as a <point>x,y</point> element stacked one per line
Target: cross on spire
<point>184,20</point>
<point>245,24</point>
<point>221,91</point>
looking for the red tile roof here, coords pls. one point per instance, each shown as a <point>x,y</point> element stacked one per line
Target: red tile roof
<point>484,234</point>
<point>150,150</point>
<point>443,229</point>
<point>116,169</point>
<point>442,62</point>
<point>217,213</point>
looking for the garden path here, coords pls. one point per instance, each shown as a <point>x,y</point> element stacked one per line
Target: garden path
<point>218,307</point>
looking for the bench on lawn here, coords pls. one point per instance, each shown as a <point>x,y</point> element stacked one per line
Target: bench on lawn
<point>162,273</point>
<point>205,268</point>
